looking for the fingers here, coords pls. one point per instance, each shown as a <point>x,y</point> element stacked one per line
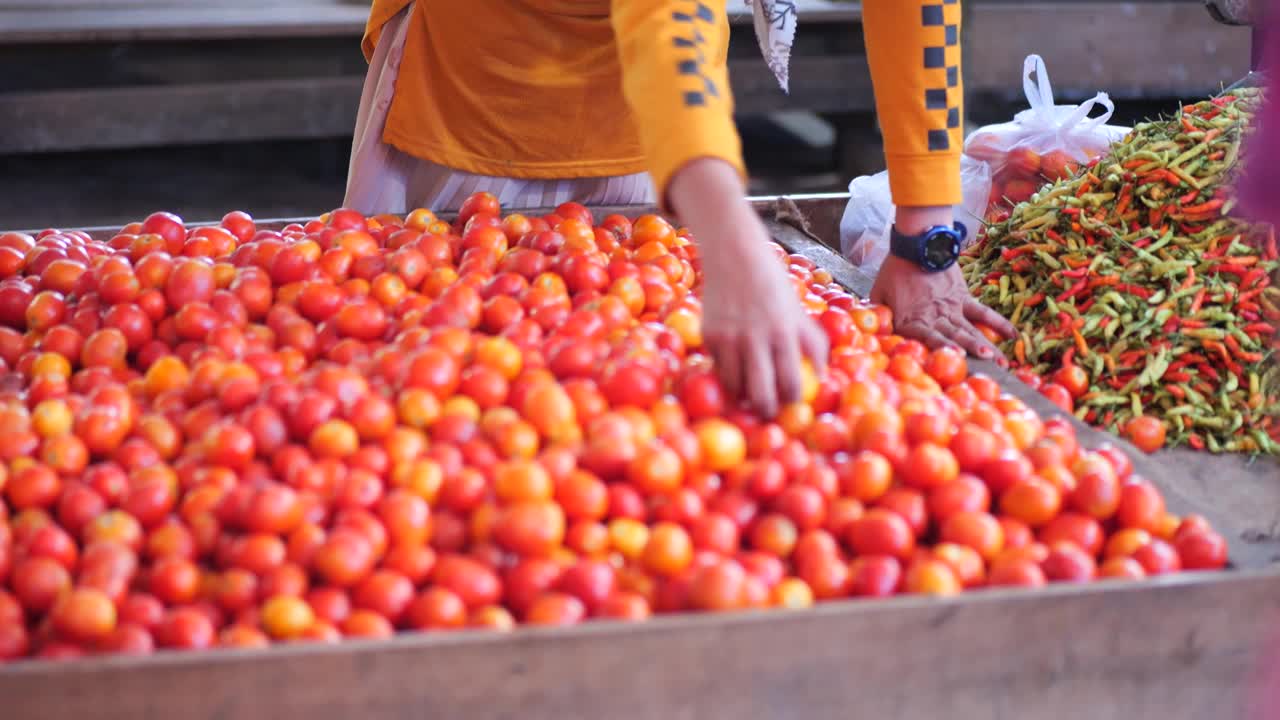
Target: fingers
<point>814,344</point>
<point>975,311</point>
<point>728,361</point>
<point>786,358</point>
<point>930,336</point>
<point>969,339</point>
<point>760,379</point>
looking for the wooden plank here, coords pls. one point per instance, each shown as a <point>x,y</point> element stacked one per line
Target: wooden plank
<point>151,116</point>
<point>818,84</point>
<point>206,22</point>
<point>81,21</point>
<point>1156,49</point>
<point>1161,649</point>
<point>317,107</point>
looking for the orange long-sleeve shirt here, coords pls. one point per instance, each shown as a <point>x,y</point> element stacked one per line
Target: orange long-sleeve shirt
<point>590,88</point>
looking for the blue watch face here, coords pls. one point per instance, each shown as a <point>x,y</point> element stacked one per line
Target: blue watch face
<point>941,249</point>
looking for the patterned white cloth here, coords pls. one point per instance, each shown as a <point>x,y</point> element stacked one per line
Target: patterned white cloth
<point>775,22</point>
<point>383,179</point>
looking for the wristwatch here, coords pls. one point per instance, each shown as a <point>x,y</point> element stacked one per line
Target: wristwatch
<point>934,250</point>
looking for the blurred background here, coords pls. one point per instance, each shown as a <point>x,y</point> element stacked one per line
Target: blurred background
<point>115,108</point>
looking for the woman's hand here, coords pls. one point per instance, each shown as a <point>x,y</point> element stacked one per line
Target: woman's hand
<point>753,323</point>
<point>935,308</point>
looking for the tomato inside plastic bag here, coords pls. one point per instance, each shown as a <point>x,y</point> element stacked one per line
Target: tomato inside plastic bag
<point>1044,143</point>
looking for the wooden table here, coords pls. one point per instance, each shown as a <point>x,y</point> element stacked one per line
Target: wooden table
<point>1184,647</point>
<point>168,72</point>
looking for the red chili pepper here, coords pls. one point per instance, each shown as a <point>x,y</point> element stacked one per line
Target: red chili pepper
<point>1249,314</point>
<point>1189,197</point>
<point>1208,371</point>
<point>1076,273</point>
<point>1011,253</point>
<point>1228,269</point>
<point>1259,329</point>
<point>1241,353</point>
<point>1074,290</point>
<point>1034,300</point>
<point>1170,325</point>
<point>1190,324</point>
<point>1176,391</point>
<point>1138,290</point>
<point>1195,441</point>
<point>1177,376</point>
<point>1129,357</point>
<point>1084,308</point>
<point>1054,236</point>
<point>1197,301</point>
<point>1247,297</point>
<point>1204,207</point>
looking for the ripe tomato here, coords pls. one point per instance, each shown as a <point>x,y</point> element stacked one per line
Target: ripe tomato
<point>1082,530</point>
<point>966,493</point>
<point>931,577</point>
<point>875,575</point>
<point>1141,506</point>
<point>1021,572</point>
<point>978,530</point>
<point>590,581</point>
<point>84,615</point>
<point>185,628</point>
<point>930,466</point>
<point>1033,501</point>
<point>1158,557</point>
<point>1066,562</point>
<point>669,549</point>
<point>1146,433</point>
<point>1098,490</point>
<point>553,608</point>
<point>882,532</point>
<point>434,609</point>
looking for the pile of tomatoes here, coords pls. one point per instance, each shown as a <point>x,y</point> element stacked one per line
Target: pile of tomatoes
<point>232,435</point>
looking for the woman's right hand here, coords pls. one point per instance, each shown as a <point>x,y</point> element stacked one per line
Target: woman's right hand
<point>754,325</point>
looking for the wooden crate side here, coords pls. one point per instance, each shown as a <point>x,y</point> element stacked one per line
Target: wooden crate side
<point>1187,647</point>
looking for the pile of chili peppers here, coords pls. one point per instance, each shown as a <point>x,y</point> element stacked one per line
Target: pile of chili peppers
<point>1134,272</point>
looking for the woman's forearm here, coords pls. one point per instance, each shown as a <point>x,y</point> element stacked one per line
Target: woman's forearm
<point>913,48</point>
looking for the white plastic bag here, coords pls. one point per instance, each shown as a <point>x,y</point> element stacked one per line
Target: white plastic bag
<point>1043,143</point>
<point>864,229</point>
